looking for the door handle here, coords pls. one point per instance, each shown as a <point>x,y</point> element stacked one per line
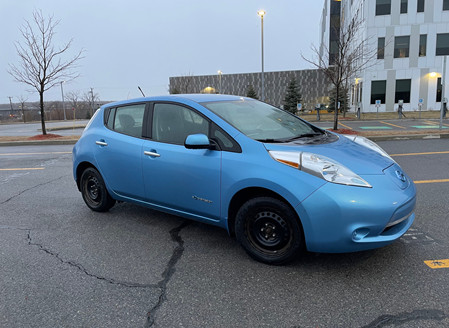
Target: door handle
<point>153,154</point>
<point>101,143</point>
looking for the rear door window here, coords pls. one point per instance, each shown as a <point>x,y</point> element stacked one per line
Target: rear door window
<point>127,120</point>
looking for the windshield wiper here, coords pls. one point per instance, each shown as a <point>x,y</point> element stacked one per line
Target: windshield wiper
<point>305,135</point>
<point>271,140</point>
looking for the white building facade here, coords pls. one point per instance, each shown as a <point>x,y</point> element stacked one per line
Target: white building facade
<point>410,39</point>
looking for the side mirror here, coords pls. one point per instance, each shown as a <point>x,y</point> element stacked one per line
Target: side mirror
<point>197,141</point>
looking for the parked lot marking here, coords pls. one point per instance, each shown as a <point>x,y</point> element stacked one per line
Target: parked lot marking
<point>375,128</point>
<point>397,126</point>
<point>431,181</point>
<point>347,127</point>
<point>438,264</point>
<point>414,236</point>
<point>433,123</point>
<point>26,154</point>
<point>428,127</point>
<point>426,153</point>
<point>23,169</point>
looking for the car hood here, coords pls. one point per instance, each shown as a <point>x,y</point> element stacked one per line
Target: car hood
<point>360,159</point>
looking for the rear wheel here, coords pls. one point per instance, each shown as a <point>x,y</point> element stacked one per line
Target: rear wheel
<point>269,230</point>
<point>94,191</point>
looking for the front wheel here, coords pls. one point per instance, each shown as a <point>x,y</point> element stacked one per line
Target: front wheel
<point>94,191</point>
<point>269,230</point>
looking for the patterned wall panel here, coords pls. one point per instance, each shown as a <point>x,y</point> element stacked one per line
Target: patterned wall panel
<point>313,85</point>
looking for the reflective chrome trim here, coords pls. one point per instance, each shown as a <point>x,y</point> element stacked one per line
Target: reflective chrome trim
<point>150,153</point>
<point>398,221</point>
<point>101,143</point>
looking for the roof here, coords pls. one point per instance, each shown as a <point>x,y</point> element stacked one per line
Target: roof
<point>196,97</point>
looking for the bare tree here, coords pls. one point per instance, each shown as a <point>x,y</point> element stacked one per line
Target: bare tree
<point>41,65</point>
<point>351,54</point>
<point>22,100</point>
<point>91,98</point>
<point>74,100</point>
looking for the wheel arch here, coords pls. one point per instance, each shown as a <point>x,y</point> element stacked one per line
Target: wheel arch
<point>79,171</point>
<point>246,194</point>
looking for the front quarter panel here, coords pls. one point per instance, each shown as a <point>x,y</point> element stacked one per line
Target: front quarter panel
<point>254,167</point>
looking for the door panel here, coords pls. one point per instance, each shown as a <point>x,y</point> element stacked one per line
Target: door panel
<point>119,151</point>
<point>120,164</point>
<point>183,179</point>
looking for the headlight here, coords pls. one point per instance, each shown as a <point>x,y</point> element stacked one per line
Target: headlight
<point>320,166</point>
<point>368,144</point>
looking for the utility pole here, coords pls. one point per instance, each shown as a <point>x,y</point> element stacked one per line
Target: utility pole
<point>63,104</point>
<point>91,102</point>
<point>443,85</point>
<point>10,103</point>
<point>262,13</point>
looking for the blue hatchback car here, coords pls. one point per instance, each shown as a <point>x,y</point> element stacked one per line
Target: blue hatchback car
<point>277,183</point>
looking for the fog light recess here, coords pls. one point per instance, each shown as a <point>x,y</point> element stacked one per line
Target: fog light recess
<point>360,233</point>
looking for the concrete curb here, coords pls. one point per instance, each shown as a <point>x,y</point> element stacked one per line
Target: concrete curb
<point>409,137</point>
<point>37,142</point>
<point>60,128</point>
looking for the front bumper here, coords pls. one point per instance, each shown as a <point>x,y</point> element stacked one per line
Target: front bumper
<point>339,219</point>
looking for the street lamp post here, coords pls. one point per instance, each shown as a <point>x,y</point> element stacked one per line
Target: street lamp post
<point>219,81</point>
<point>443,82</point>
<point>262,13</point>
<point>63,105</point>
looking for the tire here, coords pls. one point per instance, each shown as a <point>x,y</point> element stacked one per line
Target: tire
<point>94,191</point>
<point>269,230</point>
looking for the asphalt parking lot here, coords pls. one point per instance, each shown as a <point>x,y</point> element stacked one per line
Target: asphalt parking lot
<point>401,125</point>
<point>62,265</point>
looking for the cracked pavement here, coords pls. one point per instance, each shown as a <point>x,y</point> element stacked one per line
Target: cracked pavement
<point>62,265</point>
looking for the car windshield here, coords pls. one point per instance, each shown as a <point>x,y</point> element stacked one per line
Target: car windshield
<point>261,121</point>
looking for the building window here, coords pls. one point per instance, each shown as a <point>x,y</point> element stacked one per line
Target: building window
<point>445,4</point>
<point>334,33</point>
<point>442,44</point>
<point>383,7</point>
<point>378,89</point>
<point>380,48</point>
<point>439,89</point>
<point>404,4</point>
<point>401,46</point>
<point>422,45</point>
<point>403,90</point>
<point>420,8</point>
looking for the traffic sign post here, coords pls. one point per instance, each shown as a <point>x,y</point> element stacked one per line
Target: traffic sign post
<point>444,107</point>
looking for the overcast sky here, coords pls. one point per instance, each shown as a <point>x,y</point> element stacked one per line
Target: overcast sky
<point>131,43</point>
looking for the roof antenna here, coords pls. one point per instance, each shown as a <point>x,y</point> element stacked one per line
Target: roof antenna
<point>141,91</point>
